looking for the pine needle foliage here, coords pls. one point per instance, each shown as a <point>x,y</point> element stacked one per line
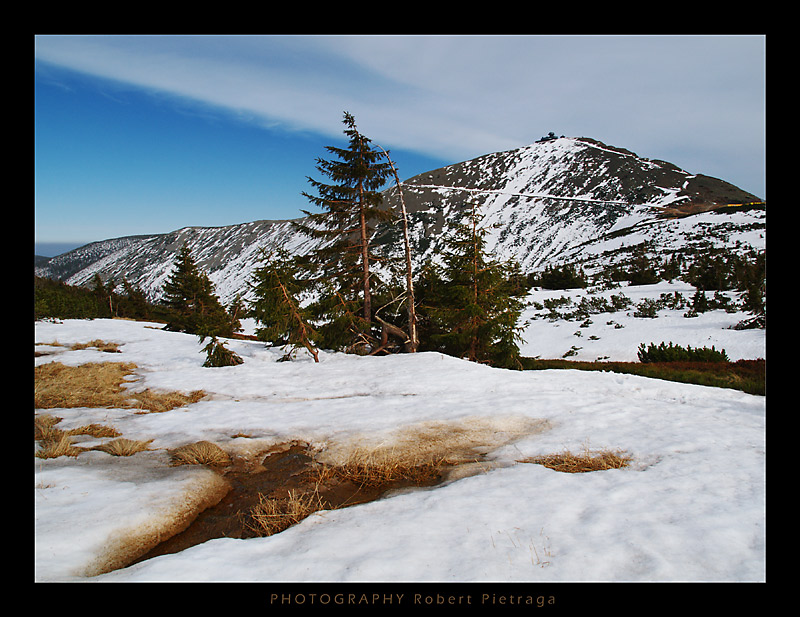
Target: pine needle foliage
<point>473,303</point>
<point>676,353</point>
<point>560,277</point>
<point>350,204</point>
<point>56,299</point>
<point>217,355</point>
<point>193,304</point>
<point>276,307</point>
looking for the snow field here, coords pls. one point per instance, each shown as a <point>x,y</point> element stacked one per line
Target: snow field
<point>690,507</point>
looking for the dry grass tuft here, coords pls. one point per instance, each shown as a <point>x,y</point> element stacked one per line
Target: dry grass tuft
<point>94,430</point>
<point>271,516</point>
<point>59,444</point>
<point>157,402</point>
<point>123,447</point>
<point>200,453</point>
<point>99,385</point>
<point>99,345</point>
<point>375,469</point>
<point>43,427</point>
<point>55,442</point>
<point>371,468</point>
<point>586,461</point>
<point>38,353</point>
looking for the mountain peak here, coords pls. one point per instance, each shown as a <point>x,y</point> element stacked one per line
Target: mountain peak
<point>559,199</point>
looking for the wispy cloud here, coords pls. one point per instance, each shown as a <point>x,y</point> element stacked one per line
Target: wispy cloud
<point>461,96</point>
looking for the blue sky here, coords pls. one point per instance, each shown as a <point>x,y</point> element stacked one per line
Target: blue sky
<point>148,134</point>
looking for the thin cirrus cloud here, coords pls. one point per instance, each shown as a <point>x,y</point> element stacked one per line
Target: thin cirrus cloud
<point>688,99</point>
<point>657,93</point>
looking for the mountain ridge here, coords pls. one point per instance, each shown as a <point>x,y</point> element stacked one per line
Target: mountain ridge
<point>554,201</point>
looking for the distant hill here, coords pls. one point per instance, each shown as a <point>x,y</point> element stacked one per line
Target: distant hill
<point>559,200</point>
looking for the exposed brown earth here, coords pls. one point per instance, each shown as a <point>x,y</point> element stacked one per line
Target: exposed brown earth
<point>291,469</point>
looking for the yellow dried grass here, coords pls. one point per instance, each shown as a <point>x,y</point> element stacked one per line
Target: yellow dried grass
<point>376,468</point>
<point>98,344</point>
<point>200,453</point>
<point>157,402</point>
<point>58,445</point>
<point>43,427</point>
<point>100,385</point>
<point>55,442</point>
<point>123,447</point>
<point>94,430</point>
<point>271,516</point>
<point>584,462</point>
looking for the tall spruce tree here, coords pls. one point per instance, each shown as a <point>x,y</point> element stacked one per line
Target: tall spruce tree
<point>194,307</point>
<point>473,304</point>
<point>350,206</point>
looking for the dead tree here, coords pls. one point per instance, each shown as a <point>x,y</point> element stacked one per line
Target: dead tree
<point>411,339</point>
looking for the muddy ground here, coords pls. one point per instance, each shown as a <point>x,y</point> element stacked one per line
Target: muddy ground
<point>291,468</point>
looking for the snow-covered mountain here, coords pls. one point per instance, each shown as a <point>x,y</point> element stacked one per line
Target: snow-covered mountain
<point>570,200</point>
<point>559,200</point>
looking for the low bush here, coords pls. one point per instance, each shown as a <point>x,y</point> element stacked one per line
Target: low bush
<point>745,375</point>
<point>676,353</point>
<point>217,355</point>
<point>554,277</point>
<point>56,300</point>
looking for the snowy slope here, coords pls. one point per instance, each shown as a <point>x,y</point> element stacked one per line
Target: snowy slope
<point>616,334</point>
<point>559,201</point>
<point>562,200</point>
<point>691,507</point>
<point>228,254</point>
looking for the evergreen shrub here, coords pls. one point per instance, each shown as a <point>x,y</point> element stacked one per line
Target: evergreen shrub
<point>218,355</point>
<point>565,277</point>
<point>193,305</point>
<point>676,353</point>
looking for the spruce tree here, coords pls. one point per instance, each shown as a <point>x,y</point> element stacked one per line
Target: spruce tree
<point>134,303</point>
<point>276,306</point>
<point>565,277</point>
<point>194,307</point>
<point>104,293</point>
<point>351,205</point>
<point>672,268</point>
<point>217,355</point>
<point>641,271</point>
<point>473,305</point>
